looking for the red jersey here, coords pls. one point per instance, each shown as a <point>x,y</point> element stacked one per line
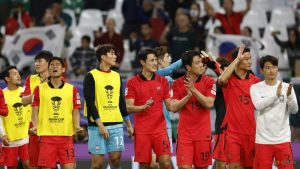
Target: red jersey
<point>151,120</point>
<point>239,107</point>
<point>194,119</point>
<point>3,107</point>
<point>231,24</point>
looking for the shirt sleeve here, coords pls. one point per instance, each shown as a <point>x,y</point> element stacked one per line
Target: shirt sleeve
<point>2,131</point>
<point>166,88</point>
<point>76,99</point>
<point>89,95</point>
<point>169,70</point>
<point>292,103</point>
<point>36,97</point>
<point>122,104</point>
<point>260,103</point>
<point>211,88</point>
<point>175,92</point>
<point>26,88</point>
<point>3,106</point>
<point>130,92</point>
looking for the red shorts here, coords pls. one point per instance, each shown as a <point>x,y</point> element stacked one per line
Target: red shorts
<point>239,148</point>
<point>11,154</point>
<point>51,152</point>
<point>197,153</point>
<point>264,154</point>
<point>145,143</point>
<point>34,149</point>
<point>219,147</point>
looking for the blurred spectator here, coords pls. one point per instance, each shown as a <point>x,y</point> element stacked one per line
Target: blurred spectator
<point>37,9</point>
<point>111,37</point>
<point>219,30</point>
<point>49,19</point>
<point>58,14</point>
<point>159,19</point>
<point>5,6</point>
<point>19,19</point>
<point>292,46</point>
<point>3,60</point>
<point>147,10</point>
<point>180,38</point>
<point>145,41</point>
<point>103,5</point>
<point>83,136</point>
<point>247,32</point>
<point>198,25</point>
<point>84,58</point>
<point>171,6</point>
<point>231,20</point>
<point>131,10</point>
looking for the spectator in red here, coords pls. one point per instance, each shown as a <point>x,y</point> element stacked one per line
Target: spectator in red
<point>111,37</point>
<point>19,19</point>
<point>231,20</point>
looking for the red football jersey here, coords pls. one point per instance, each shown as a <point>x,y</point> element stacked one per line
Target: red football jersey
<point>194,119</point>
<point>152,119</point>
<point>3,107</point>
<point>239,107</point>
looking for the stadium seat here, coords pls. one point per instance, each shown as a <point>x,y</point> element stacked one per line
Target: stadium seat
<point>282,29</point>
<point>91,18</point>
<point>271,48</point>
<point>283,15</point>
<point>72,14</point>
<point>265,5</point>
<point>256,18</point>
<point>118,6</point>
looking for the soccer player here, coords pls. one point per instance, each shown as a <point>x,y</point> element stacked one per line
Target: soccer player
<point>145,93</point>
<point>219,138</point>
<point>15,134</point>
<point>236,81</point>
<point>32,81</point>
<point>106,110</point>
<point>274,100</point>
<point>193,96</point>
<point>55,117</point>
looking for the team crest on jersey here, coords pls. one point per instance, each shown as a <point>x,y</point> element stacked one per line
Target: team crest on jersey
<point>18,107</point>
<point>109,91</point>
<point>56,102</point>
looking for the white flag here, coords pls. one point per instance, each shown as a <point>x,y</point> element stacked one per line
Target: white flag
<point>21,48</point>
<point>222,46</point>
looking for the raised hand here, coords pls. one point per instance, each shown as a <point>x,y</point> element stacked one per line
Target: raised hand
<point>240,55</point>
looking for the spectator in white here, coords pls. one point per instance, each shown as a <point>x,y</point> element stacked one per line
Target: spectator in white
<point>84,58</point>
<point>274,101</point>
<point>231,20</point>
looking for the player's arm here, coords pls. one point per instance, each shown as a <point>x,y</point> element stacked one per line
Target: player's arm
<point>292,100</point>
<point>169,70</point>
<point>209,9</point>
<point>89,94</point>
<point>223,79</point>
<point>3,106</point>
<point>132,108</point>
<point>3,133</point>
<point>248,6</point>
<point>35,110</point>
<point>261,103</point>
<point>177,105</point>
<point>75,112</point>
<point>125,115</point>
<point>26,94</point>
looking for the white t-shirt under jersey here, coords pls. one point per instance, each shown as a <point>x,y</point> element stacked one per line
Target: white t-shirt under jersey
<point>272,112</point>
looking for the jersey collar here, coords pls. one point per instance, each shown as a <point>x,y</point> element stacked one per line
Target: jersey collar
<point>247,75</point>
<point>144,78</point>
<point>51,85</point>
<point>197,80</point>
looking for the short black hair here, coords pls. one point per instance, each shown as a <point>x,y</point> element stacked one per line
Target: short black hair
<point>223,62</point>
<point>86,37</point>
<point>268,58</point>
<point>249,29</point>
<point>103,50</point>
<point>57,1</point>
<point>161,51</point>
<point>187,57</point>
<point>236,51</point>
<point>147,23</point>
<point>44,54</point>
<point>5,73</point>
<point>143,54</point>
<point>61,60</point>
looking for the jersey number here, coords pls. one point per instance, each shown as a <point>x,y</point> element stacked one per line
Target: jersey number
<point>245,99</point>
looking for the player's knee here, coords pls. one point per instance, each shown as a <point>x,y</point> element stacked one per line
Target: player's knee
<point>115,162</point>
<point>97,165</point>
<point>165,164</point>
